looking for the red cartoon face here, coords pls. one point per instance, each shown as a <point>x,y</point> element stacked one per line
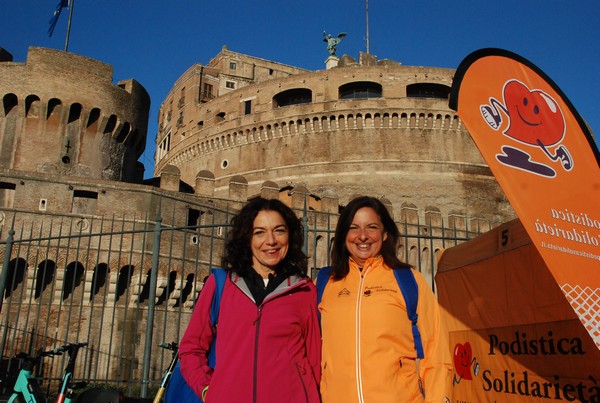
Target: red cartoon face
<point>535,117</point>
<point>462,360</point>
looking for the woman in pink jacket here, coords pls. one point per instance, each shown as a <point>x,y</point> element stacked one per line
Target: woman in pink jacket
<point>268,341</point>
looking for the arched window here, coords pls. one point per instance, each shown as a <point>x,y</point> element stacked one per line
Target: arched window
<point>72,280</point>
<point>16,275</point>
<point>169,290</point>
<point>294,96</point>
<point>428,90</point>
<point>9,102</point>
<point>124,280</point>
<point>186,291</point>
<point>44,277</point>
<point>99,279</point>
<point>360,90</point>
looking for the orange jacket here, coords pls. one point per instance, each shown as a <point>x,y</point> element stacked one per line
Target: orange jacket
<point>368,346</point>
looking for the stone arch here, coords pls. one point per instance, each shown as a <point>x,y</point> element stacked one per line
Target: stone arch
<point>394,121</point>
<point>72,279</point>
<point>123,132</point>
<point>74,113</point>
<point>9,102</point>
<point>16,275</point>
<point>413,256</point>
<point>315,124</point>
<point>332,123</point>
<point>359,122</point>
<point>240,179</point>
<point>324,123</point>
<point>426,264</point>
<point>186,291</point>
<point>111,123</point>
<point>412,121</point>
<point>307,126</point>
<point>368,121</point>
<point>403,121</point>
<point>377,121</point>
<point>429,121</point>
<point>93,117</point>
<point>422,120</point>
<point>46,271</point>
<point>341,121</point>
<point>350,124</point>
<point>269,132</point>
<point>54,108</point>
<point>171,283</point>
<point>385,120</point>
<point>438,121</point>
<point>99,277</point>
<point>124,280</point>
<point>33,106</point>
<point>292,96</point>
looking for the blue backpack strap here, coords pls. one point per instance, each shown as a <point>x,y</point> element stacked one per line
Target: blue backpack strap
<point>410,291</point>
<point>322,279</point>
<point>220,276</point>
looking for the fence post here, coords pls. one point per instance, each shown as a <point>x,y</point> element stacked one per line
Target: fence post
<point>151,305</point>
<point>305,227</point>
<point>4,272</point>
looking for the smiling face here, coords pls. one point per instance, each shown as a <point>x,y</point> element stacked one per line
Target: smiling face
<point>365,236</point>
<point>534,116</point>
<point>269,243</point>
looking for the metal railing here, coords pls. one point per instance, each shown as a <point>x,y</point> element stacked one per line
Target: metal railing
<point>123,285</point>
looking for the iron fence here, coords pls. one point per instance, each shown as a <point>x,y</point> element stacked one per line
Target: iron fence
<point>123,285</point>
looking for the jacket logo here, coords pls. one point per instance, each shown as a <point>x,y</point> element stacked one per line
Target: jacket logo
<point>344,293</point>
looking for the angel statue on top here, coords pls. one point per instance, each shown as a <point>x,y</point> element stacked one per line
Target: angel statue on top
<point>332,42</point>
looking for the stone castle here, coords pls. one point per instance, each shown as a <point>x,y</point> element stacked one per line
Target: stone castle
<point>367,127</point>
<point>87,255</point>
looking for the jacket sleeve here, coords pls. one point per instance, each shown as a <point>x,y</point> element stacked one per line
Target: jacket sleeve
<point>313,335</point>
<point>435,368</point>
<point>196,341</point>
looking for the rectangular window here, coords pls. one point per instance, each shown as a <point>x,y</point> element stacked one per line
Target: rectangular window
<point>230,84</point>
<point>232,65</point>
<point>247,107</point>
<point>192,217</point>
<point>84,202</point>
<point>207,92</point>
<point>7,194</point>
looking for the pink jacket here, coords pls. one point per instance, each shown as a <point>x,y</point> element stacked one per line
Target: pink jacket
<point>267,353</point>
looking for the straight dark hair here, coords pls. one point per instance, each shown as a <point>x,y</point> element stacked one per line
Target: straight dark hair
<point>237,255</point>
<point>339,253</point>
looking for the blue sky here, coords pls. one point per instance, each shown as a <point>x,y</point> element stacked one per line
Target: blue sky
<point>155,41</point>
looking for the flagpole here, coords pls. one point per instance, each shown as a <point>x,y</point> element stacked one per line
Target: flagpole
<point>71,2</point>
<point>367,13</point>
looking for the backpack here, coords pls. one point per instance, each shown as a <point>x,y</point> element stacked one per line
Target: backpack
<point>178,391</point>
<point>410,292</point>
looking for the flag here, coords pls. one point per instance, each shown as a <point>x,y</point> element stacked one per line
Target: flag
<point>54,19</point>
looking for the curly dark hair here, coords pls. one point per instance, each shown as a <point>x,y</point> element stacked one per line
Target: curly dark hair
<point>237,256</point>
<point>339,252</point>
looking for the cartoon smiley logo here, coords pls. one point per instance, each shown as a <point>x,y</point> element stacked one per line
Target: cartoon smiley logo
<point>463,357</point>
<point>535,117</point>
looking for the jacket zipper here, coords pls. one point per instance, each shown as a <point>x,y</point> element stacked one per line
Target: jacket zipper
<point>255,375</point>
<point>359,385</point>
<point>256,335</point>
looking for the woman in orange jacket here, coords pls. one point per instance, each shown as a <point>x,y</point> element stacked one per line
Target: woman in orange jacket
<point>368,347</point>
